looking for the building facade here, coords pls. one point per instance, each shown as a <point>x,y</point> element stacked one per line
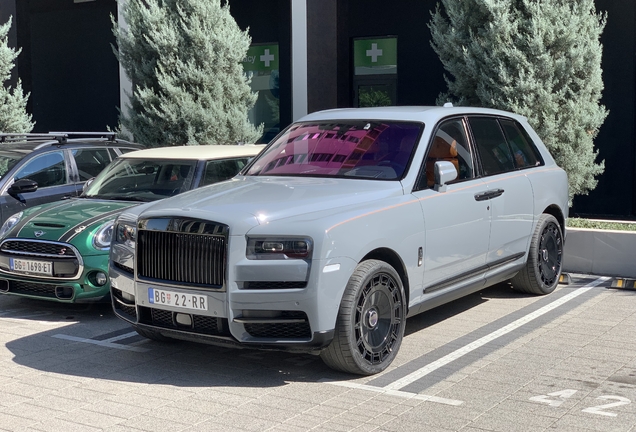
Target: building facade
<point>306,55</point>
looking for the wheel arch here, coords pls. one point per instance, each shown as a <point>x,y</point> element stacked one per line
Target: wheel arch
<point>392,258</point>
<point>555,211</point>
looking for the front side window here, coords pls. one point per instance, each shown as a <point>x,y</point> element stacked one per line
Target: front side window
<point>370,149</point>
<point>220,170</point>
<point>48,169</point>
<point>491,145</point>
<point>142,180</point>
<point>449,144</point>
<point>9,159</point>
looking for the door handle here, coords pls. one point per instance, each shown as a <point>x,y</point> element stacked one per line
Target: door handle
<point>484,196</point>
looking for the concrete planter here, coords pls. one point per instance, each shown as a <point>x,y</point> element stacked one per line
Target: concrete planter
<point>600,252</point>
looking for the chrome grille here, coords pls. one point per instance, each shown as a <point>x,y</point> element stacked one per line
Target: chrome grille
<point>188,253</point>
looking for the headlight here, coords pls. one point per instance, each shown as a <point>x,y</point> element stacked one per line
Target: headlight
<point>278,248</point>
<point>126,234</point>
<point>10,223</point>
<point>102,238</point>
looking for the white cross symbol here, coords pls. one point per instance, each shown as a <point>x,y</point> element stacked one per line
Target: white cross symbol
<point>374,53</point>
<point>267,58</point>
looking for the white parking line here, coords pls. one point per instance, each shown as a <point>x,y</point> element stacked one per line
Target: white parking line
<point>120,337</point>
<point>105,343</point>
<point>398,393</point>
<point>431,367</point>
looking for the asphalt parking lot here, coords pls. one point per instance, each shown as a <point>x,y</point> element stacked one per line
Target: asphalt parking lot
<point>493,361</point>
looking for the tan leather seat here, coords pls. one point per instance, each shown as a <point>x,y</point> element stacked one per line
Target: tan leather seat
<point>440,150</point>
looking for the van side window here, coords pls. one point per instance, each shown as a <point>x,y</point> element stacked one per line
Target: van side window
<point>524,152</point>
<point>492,146</point>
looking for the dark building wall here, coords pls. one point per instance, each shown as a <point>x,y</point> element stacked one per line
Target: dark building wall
<point>269,21</point>
<point>615,195</point>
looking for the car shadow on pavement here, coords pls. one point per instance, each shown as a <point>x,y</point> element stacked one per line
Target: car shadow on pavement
<point>88,341</point>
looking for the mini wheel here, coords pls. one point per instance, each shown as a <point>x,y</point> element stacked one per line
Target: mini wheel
<point>371,319</point>
<point>543,269</point>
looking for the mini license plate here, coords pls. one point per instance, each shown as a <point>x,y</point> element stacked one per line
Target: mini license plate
<point>182,300</point>
<point>31,266</point>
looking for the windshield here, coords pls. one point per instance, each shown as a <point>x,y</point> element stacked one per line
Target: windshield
<point>8,160</point>
<point>142,180</point>
<point>346,148</point>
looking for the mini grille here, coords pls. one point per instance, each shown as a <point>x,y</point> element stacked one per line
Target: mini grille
<point>38,248</point>
<point>34,289</point>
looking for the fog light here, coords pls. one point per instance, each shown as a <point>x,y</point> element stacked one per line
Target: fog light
<point>101,278</point>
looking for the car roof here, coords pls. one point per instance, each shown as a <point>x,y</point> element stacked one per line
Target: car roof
<point>198,152</point>
<point>407,113</point>
<point>27,147</point>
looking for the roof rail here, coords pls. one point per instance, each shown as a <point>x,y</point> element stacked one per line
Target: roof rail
<point>9,137</point>
<point>110,135</point>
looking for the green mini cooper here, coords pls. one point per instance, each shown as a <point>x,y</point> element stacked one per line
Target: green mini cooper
<point>59,251</point>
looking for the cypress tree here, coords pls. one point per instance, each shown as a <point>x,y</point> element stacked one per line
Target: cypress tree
<point>538,58</point>
<point>184,60</point>
<point>13,115</point>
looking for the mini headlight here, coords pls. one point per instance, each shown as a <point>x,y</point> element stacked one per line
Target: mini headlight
<point>10,223</point>
<point>126,234</point>
<point>278,248</point>
<point>103,236</point>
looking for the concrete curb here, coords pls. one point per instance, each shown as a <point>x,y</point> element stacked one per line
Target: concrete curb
<point>600,252</point>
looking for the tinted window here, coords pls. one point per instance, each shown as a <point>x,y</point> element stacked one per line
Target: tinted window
<point>372,149</point>
<point>90,162</point>
<point>492,146</point>
<point>47,170</point>
<point>451,145</point>
<point>219,170</point>
<point>8,160</point>
<point>523,150</point>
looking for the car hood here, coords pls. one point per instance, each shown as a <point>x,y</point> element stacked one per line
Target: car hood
<point>245,202</point>
<point>63,221</point>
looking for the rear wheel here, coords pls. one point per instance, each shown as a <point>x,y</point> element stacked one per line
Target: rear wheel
<point>543,268</point>
<point>370,323</point>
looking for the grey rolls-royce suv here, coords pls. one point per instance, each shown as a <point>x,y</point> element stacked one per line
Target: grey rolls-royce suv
<point>349,222</point>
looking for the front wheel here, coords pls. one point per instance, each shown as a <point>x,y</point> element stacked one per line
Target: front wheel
<point>543,269</point>
<point>370,323</point>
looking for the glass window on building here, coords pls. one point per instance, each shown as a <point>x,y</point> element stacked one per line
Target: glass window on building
<point>375,71</point>
<point>261,66</point>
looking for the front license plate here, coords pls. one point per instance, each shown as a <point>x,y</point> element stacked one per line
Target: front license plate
<point>31,266</point>
<point>176,299</point>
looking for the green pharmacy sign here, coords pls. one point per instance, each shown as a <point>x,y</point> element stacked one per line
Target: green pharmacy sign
<point>375,56</point>
<point>262,58</point>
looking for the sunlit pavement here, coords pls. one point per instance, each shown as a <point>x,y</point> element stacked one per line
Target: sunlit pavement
<point>494,361</point>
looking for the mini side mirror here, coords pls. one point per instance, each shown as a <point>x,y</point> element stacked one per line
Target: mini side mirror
<point>23,186</point>
<point>444,173</point>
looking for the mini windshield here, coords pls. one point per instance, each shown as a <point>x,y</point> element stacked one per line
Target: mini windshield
<point>142,180</point>
<point>345,148</point>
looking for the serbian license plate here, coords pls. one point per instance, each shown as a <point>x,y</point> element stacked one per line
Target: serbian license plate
<point>31,266</point>
<point>172,298</point>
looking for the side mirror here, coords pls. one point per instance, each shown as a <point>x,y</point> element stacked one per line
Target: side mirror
<point>23,186</point>
<point>444,172</point>
<point>87,184</point>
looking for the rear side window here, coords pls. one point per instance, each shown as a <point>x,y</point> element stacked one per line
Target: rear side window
<point>491,145</point>
<point>90,161</point>
<point>219,170</point>
<point>524,152</point>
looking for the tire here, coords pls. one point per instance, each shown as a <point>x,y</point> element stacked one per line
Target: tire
<point>154,335</point>
<point>543,268</point>
<point>371,320</point>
